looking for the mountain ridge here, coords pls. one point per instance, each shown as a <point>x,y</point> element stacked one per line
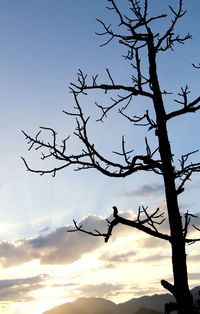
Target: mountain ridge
<point>153,304</point>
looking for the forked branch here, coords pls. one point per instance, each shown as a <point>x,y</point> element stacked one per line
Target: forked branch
<point>145,222</point>
<point>89,157</point>
<point>139,223</point>
<point>186,170</point>
<point>188,107</point>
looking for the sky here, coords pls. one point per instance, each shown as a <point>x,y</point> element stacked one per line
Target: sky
<point>43,44</point>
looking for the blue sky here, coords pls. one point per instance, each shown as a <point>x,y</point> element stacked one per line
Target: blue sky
<point>43,44</point>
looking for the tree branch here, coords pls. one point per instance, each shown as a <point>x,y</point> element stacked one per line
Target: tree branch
<point>186,171</point>
<point>169,38</point>
<point>82,87</point>
<point>187,107</point>
<point>139,223</point>
<point>168,286</point>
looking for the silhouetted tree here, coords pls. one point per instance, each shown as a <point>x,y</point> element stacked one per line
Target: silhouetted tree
<point>143,46</point>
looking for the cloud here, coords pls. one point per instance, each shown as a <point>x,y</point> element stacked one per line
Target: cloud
<point>146,190</point>
<point>70,284</point>
<point>106,290</point>
<point>153,243</point>
<point>102,290</point>
<point>118,258</point>
<point>46,229</point>
<point>153,259</point>
<point>194,276</point>
<point>13,254</point>
<point>113,261</point>
<point>191,277</point>
<point>17,290</point>
<point>194,258</point>
<point>56,247</point>
<point>139,290</point>
<point>60,247</point>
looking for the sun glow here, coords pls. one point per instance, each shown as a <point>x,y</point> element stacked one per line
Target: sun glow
<point>48,297</point>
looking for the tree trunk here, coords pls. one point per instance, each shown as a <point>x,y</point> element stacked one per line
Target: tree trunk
<point>181,289</point>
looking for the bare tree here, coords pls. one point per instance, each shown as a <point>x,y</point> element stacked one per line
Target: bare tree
<point>143,46</point>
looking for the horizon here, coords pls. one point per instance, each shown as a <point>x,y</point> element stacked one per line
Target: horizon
<point>149,302</point>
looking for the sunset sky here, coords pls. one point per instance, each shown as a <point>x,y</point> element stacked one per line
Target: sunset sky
<point>43,44</point>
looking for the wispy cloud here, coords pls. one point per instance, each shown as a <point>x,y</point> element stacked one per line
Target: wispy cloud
<point>146,190</point>
<point>147,290</point>
<point>194,276</point>
<point>102,290</point>
<point>152,243</point>
<point>17,290</point>
<point>113,260</point>
<point>194,258</point>
<point>153,259</point>
<point>118,258</point>
<point>58,247</point>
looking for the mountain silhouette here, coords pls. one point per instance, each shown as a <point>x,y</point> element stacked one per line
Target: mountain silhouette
<point>144,310</point>
<point>86,306</point>
<point>144,305</point>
